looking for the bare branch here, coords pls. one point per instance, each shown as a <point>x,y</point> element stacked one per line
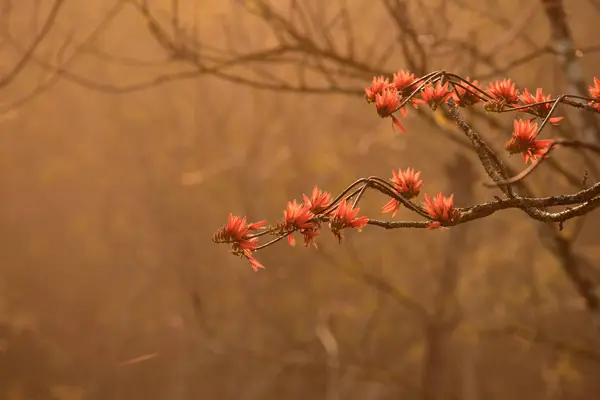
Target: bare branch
<point>46,28</point>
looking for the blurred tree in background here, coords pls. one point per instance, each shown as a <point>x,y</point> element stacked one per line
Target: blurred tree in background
<point>131,128</point>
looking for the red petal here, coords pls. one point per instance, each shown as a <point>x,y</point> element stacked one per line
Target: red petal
<point>291,240</point>
<point>255,264</point>
<point>396,123</point>
<point>434,225</point>
<point>555,120</point>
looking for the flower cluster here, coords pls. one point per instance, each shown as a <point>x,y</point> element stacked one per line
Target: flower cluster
<point>240,235</point>
<point>388,95</point>
<point>345,216</point>
<point>524,140</point>
<point>441,209</point>
<point>436,95</point>
<point>391,95</point>
<point>502,95</point>
<point>408,184</point>
<point>302,217</point>
<point>305,218</point>
<point>466,95</point>
<point>540,105</point>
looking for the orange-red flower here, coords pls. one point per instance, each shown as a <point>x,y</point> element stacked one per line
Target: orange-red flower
<point>595,94</point>
<point>239,233</point>
<point>441,210</point>
<point>297,216</point>
<point>467,96</point>
<point>436,95</point>
<point>318,201</point>
<point>344,216</point>
<point>540,110</point>
<point>503,92</point>
<point>386,103</point>
<point>377,86</point>
<point>406,183</point>
<point>524,140</point>
<point>402,81</point>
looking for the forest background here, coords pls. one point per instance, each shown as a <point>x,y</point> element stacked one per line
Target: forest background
<point>129,129</point>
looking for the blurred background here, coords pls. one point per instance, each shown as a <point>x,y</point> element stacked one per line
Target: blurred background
<point>130,129</point>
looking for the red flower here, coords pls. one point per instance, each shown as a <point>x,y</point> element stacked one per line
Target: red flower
<point>344,216</point>
<point>503,92</point>
<point>387,103</point>
<point>407,184</point>
<point>318,200</point>
<point>378,85</point>
<point>441,210</point>
<point>540,110</point>
<point>467,96</point>
<point>402,80</point>
<point>524,141</point>
<point>436,95</point>
<point>297,216</point>
<point>238,232</point>
<point>595,94</point>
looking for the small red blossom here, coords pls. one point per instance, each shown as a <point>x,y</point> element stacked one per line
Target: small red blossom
<point>595,94</point>
<point>378,85</point>
<point>540,110</point>
<point>441,210</point>
<point>503,92</point>
<point>239,233</point>
<point>406,183</point>
<point>297,216</point>
<point>467,96</point>
<point>344,216</point>
<point>318,201</point>
<point>524,140</point>
<point>386,103</point>
<point>436,95</point>
<point>402,80</point>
